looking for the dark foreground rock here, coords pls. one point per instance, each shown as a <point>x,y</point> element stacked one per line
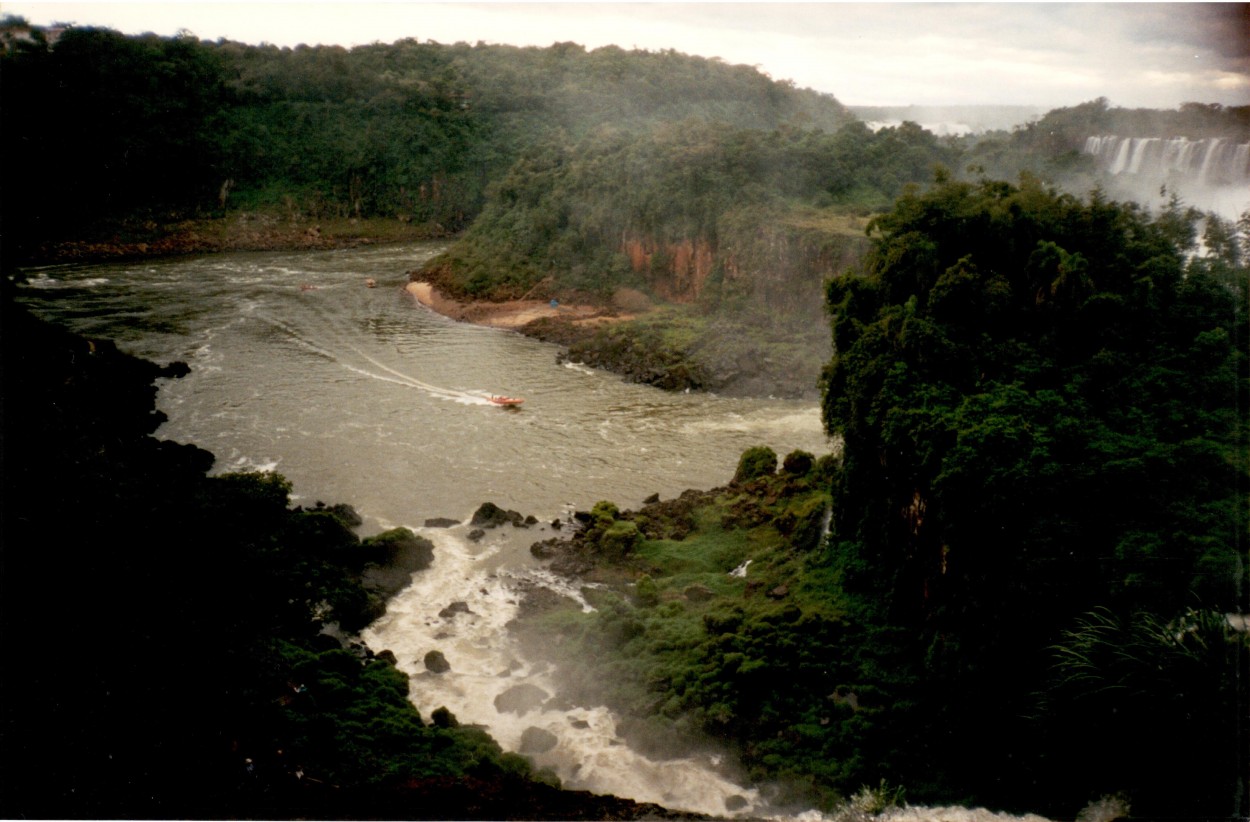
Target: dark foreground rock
<point>393,558</point>
<point>724,359</point>
<point>457,607</point>
<point>492,797</point>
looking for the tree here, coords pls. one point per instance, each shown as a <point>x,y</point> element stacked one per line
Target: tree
<point>1039,400</point>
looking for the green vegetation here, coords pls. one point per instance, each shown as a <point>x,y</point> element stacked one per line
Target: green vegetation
<point>1010,588</point>
<point>352,724</point>
<point>409,131</point>
<point>623,207</point>
<point>705,185</point>
<point>1038,526</point>
<point>760,461</point>
<point>686,649</point>
<point>1040,404</point>
<point>732,229</point>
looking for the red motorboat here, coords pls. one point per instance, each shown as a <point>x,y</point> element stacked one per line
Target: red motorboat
<point>499,400</point>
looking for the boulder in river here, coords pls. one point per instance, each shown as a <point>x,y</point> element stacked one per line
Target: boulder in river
<point>545,549</point>
<point>521,699</point>
<point>441,522</point>
<point>391,558</point>
<point>490,515</point>
<point>436,663</point>
<point>537,741</point>
<point>457,607</point>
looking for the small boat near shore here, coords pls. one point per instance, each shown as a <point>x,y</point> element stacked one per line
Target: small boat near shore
<point>497,399</point>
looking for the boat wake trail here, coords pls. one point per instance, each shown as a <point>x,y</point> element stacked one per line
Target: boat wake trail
<point>376,370</point>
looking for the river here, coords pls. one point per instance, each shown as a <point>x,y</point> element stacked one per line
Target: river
<point>360,395</point>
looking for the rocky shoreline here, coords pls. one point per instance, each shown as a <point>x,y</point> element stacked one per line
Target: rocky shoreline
<point>517,315</point>
<point>623,335</point>
<point>599,335</point>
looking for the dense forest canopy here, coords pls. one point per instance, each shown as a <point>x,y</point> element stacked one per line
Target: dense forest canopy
<point>1042,403</point>
<point>416,130</point>
<point>160,128</point>
<point>587,169</point>
<point>568,211</point>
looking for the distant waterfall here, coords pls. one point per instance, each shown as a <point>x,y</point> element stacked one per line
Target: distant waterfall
<point>1209,162</point>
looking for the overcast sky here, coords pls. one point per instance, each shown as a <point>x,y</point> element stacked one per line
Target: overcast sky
<point>1155,55</point>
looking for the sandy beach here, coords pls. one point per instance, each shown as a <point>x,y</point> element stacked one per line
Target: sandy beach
<point>511,314</point>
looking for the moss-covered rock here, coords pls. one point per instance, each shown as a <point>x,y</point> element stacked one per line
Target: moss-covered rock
<point>756,462</point>
<point>620,539</point>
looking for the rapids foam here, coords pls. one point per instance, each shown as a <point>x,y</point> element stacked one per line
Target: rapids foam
<point>460,606</point>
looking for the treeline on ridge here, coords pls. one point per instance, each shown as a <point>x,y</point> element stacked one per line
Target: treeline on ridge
<point>146,130</point>
<point>112,126</point>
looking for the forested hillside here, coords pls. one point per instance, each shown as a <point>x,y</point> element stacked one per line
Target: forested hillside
<point>161,128</point>
<point>577,158</point>
<point>1041,507</point>
<point>737,228</point>
<point>1035,555</point>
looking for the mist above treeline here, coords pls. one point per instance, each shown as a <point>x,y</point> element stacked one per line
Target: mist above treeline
<point>1195,120</point>
<point>955,119</point>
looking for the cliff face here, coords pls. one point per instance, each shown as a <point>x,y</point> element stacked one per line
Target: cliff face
<point>676,272</point>
<point>758,292</point>
<point>777,267</point>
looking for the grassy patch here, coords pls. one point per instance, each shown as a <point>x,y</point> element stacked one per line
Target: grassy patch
<point>685,648</point>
